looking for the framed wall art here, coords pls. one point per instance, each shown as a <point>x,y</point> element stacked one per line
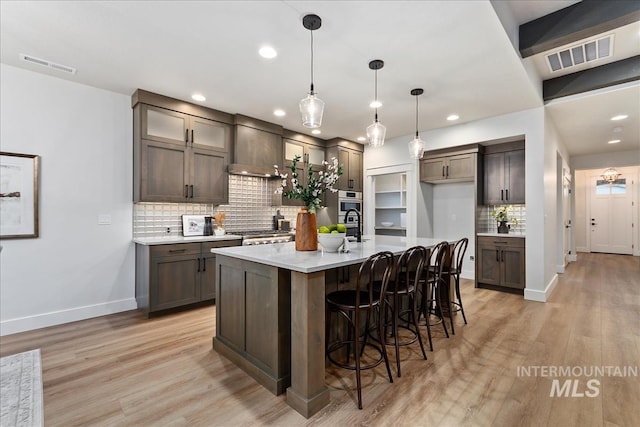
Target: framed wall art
<point>193,225</point>
<point>18,195</point>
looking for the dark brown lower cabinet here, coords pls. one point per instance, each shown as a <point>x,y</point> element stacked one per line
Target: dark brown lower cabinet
<point>501,262</point>
<point>175,275</point>
<point>253,320</point>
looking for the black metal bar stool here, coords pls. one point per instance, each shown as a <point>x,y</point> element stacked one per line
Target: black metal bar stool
<point>433,288</point>
<point>408,270</point>
<point>457,258</point>
<point>353,305</point>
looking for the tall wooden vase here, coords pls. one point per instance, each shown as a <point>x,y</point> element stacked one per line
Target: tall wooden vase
<point>306,231</point>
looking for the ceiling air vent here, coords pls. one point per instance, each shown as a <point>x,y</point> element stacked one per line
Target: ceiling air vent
<point>589,51</point>
<point>48,64</point>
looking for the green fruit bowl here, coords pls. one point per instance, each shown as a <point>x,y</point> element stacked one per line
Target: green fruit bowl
<point>331,242</point>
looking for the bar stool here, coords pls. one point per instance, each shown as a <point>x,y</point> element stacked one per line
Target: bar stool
<point>408,270</point>
<point>352,305</point>
<point>431,283</point>
<point>457,258</point>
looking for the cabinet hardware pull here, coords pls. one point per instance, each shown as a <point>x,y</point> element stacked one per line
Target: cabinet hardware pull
<point>501,194</point>
<point>447,171</point>
<point>198,266</point>
<point>186,137</point>
<point>191,187</point>
<point>186,191</point>
<point>204,264</point>
<point>176,250</point>
<point>443,170</point>
<point>192,140</point>
<point>502,254</point>
<point>507,193</point>
<point>497,256</point>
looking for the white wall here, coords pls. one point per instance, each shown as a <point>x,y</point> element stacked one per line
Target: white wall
<point>76,269</point>
<point>454,215</point>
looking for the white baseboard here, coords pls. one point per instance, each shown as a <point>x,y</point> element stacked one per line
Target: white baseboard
<point>560,268</point>
<point>582,249</point>
<point>573,258</point>
<point>22,324</point>
<point>541,296</point>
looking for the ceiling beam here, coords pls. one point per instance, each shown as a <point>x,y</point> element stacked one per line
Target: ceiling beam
<point>576,22</point>
<point>606,75</point>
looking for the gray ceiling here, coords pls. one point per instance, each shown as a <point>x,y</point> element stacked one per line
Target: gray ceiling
<point>457,51</point>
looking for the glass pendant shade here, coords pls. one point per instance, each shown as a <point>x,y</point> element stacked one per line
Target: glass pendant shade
<point>375,134</point>
<point>416,145</point>
<point>376,130</point>
<point>416,148</point>
<point>311,109</point>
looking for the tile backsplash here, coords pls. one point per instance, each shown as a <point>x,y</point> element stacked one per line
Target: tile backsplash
<point>249,208</point>
<point>487,224</point>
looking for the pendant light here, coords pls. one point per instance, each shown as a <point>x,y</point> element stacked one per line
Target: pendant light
<point>376,130</point>
<point>610,175</point>
<point>311,107</point>
<point>416,145</point>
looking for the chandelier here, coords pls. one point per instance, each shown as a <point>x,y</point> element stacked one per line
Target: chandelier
<point>610,175</point>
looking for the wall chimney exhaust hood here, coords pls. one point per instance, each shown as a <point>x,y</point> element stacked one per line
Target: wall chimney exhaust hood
<point>257,147</point>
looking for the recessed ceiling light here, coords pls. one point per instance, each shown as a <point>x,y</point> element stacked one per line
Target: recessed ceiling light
<point>316,132</point>
<point>375,104</point>
<point>619,117</point>
<point>452,117</point>
<point>361,138</point>
<point>267,52</point>
<point>614,141</point>
<point>279,113</point>
<point>198,97</point>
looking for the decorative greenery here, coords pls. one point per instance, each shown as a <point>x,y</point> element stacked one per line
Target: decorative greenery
<point>501,213</point>
<point>317,183</point>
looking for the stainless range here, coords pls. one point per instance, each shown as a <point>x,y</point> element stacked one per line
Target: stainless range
<point>264,237</point>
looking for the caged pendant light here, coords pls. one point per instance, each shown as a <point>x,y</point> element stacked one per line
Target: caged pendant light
<point>311,107</point>
<point>376,130</point>
<point>416,145</point>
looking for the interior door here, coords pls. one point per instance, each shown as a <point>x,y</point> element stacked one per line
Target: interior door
<point>611,216</point>
<point>566,213</point>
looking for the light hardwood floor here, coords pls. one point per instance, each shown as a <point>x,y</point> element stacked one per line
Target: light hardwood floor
<point>126,370</point>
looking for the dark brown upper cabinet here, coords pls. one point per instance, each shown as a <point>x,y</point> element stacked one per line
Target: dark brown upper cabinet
<point>311,152</point>
<point>179,156</point>
<point>504,181</point>
<point>458,164</point>
<point>349,155</point>
<point>257,147</point>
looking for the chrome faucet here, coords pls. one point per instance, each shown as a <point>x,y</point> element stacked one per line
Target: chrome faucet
<point>359,232</point>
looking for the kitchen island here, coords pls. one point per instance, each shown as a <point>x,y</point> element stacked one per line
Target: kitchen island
<point>270,312</point>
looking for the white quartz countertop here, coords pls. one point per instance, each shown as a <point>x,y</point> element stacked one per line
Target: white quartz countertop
<point>167,240</point>
<point>284,255</point>
<point>519,235</point>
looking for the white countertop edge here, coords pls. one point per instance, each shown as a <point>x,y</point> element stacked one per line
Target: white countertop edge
<point>167,240</point>
<point>519,235</point>
<point>284,255</point>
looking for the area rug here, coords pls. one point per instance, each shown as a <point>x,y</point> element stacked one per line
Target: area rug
<point>21,390</point>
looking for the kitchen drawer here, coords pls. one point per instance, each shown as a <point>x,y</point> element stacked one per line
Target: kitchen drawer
<point>175,249</point>
<point>207,246</point>
<point>514,242</point>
